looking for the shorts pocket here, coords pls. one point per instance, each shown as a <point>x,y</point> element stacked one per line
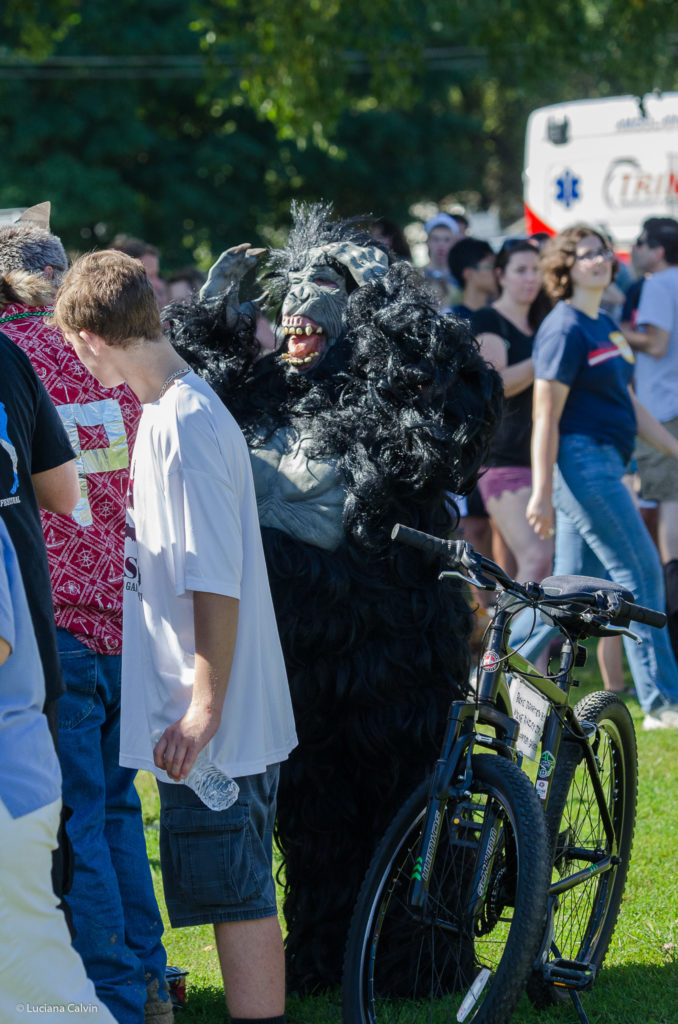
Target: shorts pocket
<point>210,855</point>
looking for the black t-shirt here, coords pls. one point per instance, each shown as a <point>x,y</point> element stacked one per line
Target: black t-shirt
<point>32,440</point>
<point>461,311</point>
<point>511,443</point>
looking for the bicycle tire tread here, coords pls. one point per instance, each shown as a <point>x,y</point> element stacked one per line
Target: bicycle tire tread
<point>594,708</point>
<point>530,900</point>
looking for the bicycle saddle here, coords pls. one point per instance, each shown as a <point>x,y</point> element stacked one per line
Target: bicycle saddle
<point>569,615</point>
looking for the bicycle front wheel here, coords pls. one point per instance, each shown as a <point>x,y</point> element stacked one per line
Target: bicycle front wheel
<point>464,956</point>
<point>587,914</point>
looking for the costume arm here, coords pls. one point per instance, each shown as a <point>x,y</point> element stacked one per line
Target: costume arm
<point>217,334</point>
<point>548,404</point>
<point>216,624</point>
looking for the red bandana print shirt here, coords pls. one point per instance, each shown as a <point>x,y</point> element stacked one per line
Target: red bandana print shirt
<point>85,549</point>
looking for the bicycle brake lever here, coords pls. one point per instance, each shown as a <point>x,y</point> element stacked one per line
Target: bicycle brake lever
<point>481,582</point>
<point>621,631</point>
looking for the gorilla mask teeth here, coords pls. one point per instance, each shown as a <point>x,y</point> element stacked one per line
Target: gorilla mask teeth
<point>299,360</point>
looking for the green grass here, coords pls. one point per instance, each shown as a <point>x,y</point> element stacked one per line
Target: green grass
<point>639,984</point>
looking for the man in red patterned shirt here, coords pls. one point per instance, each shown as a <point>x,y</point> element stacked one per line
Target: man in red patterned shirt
<point>115,913</point>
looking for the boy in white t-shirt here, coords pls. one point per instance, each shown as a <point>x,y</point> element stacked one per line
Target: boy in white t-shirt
<point>202,661</point>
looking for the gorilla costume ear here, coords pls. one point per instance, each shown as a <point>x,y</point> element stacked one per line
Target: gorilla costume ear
<point>37,215</point>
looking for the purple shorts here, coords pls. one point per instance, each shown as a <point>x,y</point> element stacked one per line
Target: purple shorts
<point>497,479</point>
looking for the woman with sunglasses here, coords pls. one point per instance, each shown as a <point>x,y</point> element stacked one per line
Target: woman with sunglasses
<point>505,332</point>
<point>586,418</point>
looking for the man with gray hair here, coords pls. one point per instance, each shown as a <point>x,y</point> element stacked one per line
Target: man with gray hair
<point>115,913</point>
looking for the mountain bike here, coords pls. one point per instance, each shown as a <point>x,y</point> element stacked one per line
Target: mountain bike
<point>492,879</point>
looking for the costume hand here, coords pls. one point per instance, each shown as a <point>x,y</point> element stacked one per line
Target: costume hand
<point>229,270</point>
<point>540,516</point>
<point>180,744</point>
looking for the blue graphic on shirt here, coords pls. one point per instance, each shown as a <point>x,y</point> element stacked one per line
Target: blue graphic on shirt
<point>568,189</point>
<point>8,447</point>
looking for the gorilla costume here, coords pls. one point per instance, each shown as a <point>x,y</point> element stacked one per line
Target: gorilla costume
<point>371,410</point>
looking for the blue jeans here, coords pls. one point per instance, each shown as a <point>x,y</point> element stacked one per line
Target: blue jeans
<point>115,912</point>
<point>599,532</point>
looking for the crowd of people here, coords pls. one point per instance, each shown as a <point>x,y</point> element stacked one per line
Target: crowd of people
<point>71,421</point>
<point>125,481</point>
<point>577,434</point>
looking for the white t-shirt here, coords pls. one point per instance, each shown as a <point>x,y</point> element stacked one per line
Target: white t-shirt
<point>192,525</point>
<point>656,380</point>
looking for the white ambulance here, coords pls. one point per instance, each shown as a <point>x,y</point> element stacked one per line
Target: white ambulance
<point>611,163</point>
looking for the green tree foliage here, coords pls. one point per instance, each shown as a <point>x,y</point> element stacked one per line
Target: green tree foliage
<point>314,68</point>
<point>194,124</point>
<point>117,129</point>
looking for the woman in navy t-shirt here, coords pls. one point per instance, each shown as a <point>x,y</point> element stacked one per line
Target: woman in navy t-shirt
<point>586,418</point>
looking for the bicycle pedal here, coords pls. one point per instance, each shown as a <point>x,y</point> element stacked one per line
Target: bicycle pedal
<point>572,974</point>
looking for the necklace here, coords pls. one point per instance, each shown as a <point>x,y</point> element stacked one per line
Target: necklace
<point>173,376</point>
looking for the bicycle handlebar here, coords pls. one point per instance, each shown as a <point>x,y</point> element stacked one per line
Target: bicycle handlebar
<point>451,550</point>
<point>459,554</point>
<point>637,613</point>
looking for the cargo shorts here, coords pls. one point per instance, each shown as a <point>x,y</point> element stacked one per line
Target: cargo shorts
<point>218,865</point>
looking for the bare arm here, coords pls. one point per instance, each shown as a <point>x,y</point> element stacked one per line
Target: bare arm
<point>58,489</point>
<point>548,403</point>
<point>652,431</point>
<point>653,341</point>
<point>516,377</point>
<point>216,624</point>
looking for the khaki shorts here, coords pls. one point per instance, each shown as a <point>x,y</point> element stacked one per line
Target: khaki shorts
<point>658,473</point>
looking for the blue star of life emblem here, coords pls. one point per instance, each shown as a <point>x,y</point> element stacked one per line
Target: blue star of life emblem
<point>568,188</point>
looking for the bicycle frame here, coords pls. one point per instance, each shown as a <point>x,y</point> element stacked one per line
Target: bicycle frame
<point>461,737</point>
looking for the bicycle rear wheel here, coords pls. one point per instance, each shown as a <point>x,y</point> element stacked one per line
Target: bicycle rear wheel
<point>406,965</point>
<point>587,914</point>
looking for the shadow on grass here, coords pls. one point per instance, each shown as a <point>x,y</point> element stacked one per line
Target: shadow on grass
<point>632,994</point>
<point>205,1005</point>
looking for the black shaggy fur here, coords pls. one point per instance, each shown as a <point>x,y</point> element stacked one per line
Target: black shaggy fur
<point>375,647</point>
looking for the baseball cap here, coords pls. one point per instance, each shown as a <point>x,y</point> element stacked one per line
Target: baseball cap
<point>441,220</point>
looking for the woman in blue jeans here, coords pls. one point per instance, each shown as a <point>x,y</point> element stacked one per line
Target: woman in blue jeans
<point>586,418</point>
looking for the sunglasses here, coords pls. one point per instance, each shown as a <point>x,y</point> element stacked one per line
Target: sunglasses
<point>592,255</point>
<point>643,240</point>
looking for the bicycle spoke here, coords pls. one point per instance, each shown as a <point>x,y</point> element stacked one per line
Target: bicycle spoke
<point>420,964</point>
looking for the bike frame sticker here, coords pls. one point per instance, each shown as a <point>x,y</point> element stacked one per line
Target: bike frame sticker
<point>546,765</point>
<point>490,661</point>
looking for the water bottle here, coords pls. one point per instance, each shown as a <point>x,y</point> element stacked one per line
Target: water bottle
<point>217,790</point>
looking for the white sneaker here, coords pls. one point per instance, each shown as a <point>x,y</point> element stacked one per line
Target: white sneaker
<point>665,717</point>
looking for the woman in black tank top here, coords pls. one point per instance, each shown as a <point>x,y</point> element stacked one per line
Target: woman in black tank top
<point>505,331</point>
